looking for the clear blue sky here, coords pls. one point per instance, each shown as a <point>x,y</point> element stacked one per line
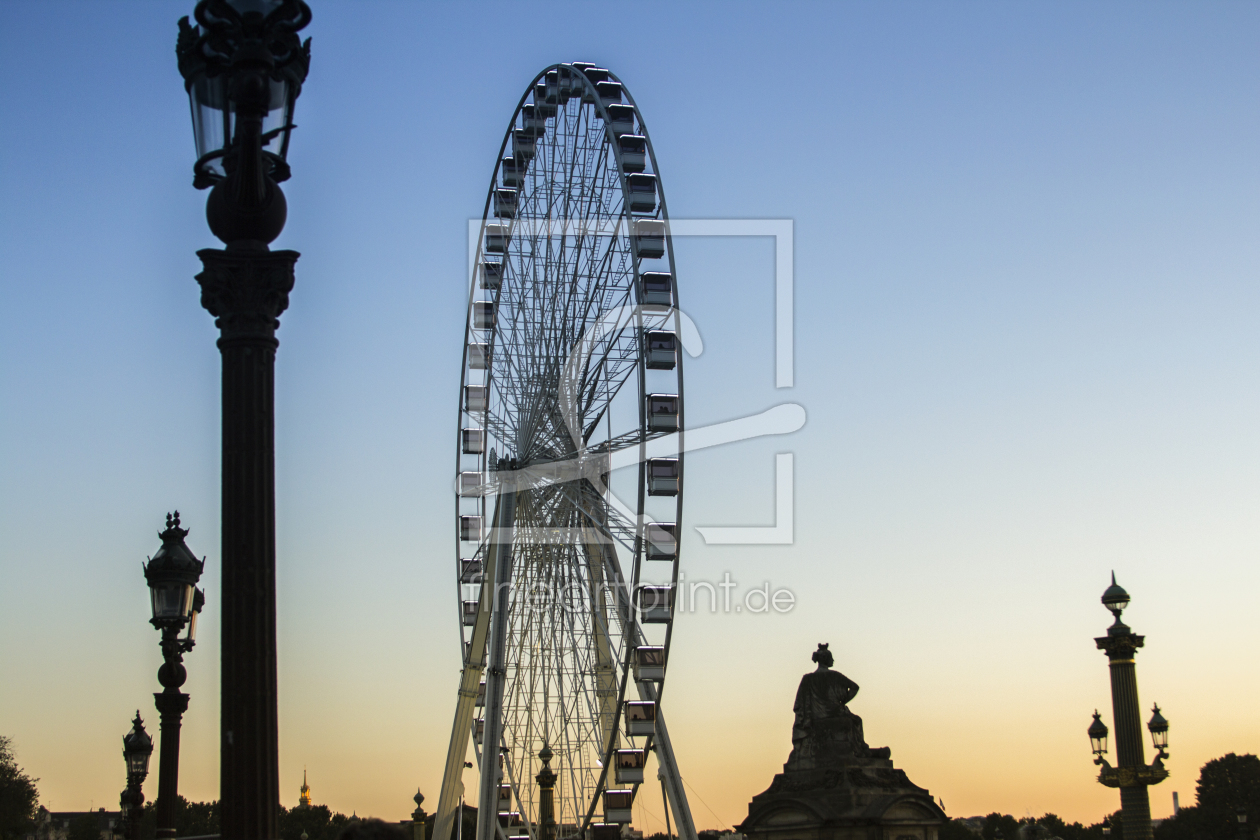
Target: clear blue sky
<point>1026,305</point>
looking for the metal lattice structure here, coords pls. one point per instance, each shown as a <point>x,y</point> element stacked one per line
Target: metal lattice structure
<point>569,471</point>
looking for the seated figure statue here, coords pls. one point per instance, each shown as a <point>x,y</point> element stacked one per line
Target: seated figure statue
<point>825,734</point>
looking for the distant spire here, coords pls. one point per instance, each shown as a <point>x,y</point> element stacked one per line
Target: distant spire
<point>304,801</point>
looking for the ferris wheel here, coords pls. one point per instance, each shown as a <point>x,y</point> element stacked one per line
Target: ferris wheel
<point>569,489</point>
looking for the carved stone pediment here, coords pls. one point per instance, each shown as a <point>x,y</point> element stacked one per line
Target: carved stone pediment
<point>789,817</point>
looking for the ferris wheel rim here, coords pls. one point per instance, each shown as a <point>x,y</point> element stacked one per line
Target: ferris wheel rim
<point>628,218</point>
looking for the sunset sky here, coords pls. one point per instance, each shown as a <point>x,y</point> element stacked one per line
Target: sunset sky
<point>1027,288</point>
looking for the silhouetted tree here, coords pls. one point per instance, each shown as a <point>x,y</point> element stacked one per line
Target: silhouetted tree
<point>1068,831</point>
<point>1225,785</point>
<point>955,830</point>
<point>318,821</point>
<point>18,795</point>
<point>995,822</point>
<point>1183,826</point>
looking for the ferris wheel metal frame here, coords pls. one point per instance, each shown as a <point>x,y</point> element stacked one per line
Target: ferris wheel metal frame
<point>567,347</point>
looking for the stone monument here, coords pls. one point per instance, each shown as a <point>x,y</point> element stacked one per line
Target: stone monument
<point>835,787</point>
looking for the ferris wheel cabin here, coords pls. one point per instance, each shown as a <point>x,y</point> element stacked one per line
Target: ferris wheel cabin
<point>470,528</point>
<point>628,766</point>
<point>662,476</point>
<point>662,412</point>
<point>649,239</point>
<point>473,440</point>
<point>649,664</point>
<point>609,92</point>
<point>478,356</point>
<point>641,193</point>
<point>491,276</point>
<point>483,315</point>
<point>497,237</point>
<point>656,288</point>
<point>524,145</point>
<point>533,121</point>
<point>470,484</point>
<point>505,202</point>
<point>662,540</point>
<point>633,150</point>
<point>655,603</point>
<point>662,349</point>
<point>618,805</point>
<point>475,397</point>
<point>640,717</point>
<point>620,120</point>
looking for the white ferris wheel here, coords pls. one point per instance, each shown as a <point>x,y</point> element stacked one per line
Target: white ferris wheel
<point>569,491</point>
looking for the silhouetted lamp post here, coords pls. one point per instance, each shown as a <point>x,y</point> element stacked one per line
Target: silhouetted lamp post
<point>137,747</point>
<point>243,67</point>
<point>1242,823</point>
<point>1131,773</point>
<point>172,575</point>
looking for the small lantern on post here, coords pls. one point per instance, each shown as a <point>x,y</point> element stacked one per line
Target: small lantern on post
<point>137,748</point>
<point>172,575</point>
<point>1098,737</point>
<point>243,67</point>
<point>1159,732</point>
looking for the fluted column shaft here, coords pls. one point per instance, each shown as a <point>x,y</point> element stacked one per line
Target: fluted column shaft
<point>546,803</point>
<point>246,290</point>
<point>1121,646</point>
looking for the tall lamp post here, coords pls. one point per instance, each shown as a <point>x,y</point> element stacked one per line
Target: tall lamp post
<point>137,747</point>
<point>243,67</point>
<point>1131,773</point>
<point>172,575</point>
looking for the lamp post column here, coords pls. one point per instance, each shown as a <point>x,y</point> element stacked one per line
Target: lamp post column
<point>1131,773</point>
<point>546,796</point>
<point>246,290</point>
<point>243,66</point>
<point>171,704</point>
<point>1121,646</point>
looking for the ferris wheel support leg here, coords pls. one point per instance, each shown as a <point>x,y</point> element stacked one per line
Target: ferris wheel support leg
<point>488,794</point>
<point>647,691</point>
<point>469,682</point>
<point>669,771</point>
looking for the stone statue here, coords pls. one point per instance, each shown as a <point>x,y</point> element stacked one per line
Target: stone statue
<point>834,786</point>
<point>825,733</point>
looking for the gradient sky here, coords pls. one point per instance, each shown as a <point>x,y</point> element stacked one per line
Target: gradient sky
<point>1026,338</point>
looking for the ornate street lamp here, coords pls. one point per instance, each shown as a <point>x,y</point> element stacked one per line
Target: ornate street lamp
<point>1158,727</point>
<point>1098,737</point>
<point>172,575</point>
<point>243,67</point>
<point>1131,773</point>
<point>137,747</point>
<point>1241,814</point>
